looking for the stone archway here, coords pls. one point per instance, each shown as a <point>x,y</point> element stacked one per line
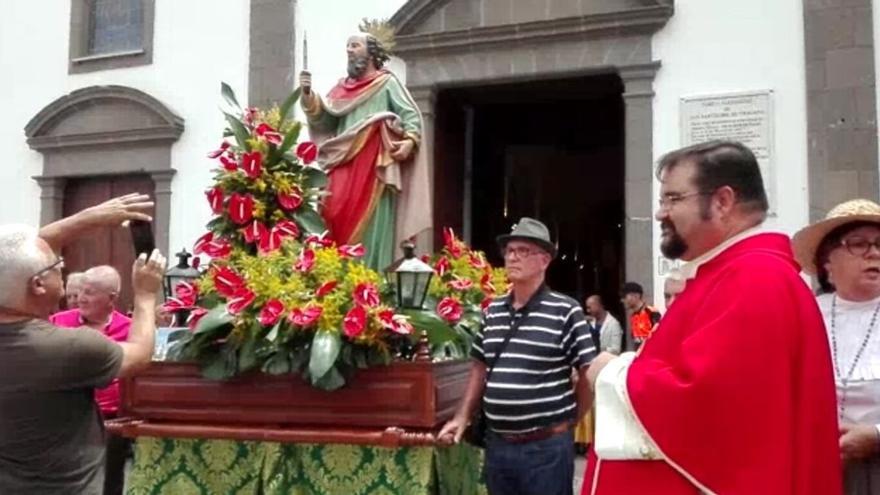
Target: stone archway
<point>105,131</point>
<point>448,43</point>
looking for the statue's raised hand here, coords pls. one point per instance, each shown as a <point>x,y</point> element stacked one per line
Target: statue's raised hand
<point>305,82</point>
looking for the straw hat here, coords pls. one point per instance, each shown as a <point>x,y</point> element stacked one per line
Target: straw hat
<point>807,240</point>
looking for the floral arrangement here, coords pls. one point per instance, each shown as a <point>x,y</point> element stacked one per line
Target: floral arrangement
<point>279,295</point>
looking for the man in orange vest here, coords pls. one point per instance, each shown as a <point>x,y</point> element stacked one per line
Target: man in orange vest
<point>643,318</point>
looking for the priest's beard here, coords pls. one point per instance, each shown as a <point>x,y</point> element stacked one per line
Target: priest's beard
<point>357,65</point>
<point>672,245</point>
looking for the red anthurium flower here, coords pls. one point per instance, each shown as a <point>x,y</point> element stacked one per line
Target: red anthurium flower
<point>386,318</point>
<point>290,201</point>
<point>461,284</point>
<point>194,317</point>
<point>322,240</point>
<point>449,309</point>
<point>477,261</point>
<point>305,316</point>
<point>326,288</point>
<point>307,151</point>
<point>271,312</point>
<point>242,298</point>
<point>486,284</point>
<point>227,281</point>
<point>254,232</point>
<point>366,295</point>
<point>250,114</point>
<point>286,228</point>
<point>241,208</point>
<point>199,246</point>
<point>270,242</point>
<point>216,153</point>
<point>426,258</point>
<point>453,245</point>
<point>355,322</point>
<point>402,325</point>
<point>229,163</point>
<point>442,266</point>
<point>187,293</point>
<point>218,248</point>
<point>215,199</point>
<point>252,164</point>
<point>196,262</point>
<point>268,134</point>
<point>355,251</point>
<point>306,261</point>
<point>485,304</point>
<point>173,304</point>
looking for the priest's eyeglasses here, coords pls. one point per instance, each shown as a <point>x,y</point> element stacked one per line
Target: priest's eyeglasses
<point>667,201</point>
<point>58,263</point>
<point>859,246</point>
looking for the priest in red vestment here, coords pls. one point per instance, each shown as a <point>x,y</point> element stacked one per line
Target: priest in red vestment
<point>734,392</point>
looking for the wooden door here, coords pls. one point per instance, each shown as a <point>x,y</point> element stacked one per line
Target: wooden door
<point>107,246</point>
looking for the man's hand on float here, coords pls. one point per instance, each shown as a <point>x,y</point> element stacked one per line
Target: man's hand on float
<point>452,431</point>
<point>305,82</point>
<point>858,441</point>
<point>402,150</point>
<point>597,365</point>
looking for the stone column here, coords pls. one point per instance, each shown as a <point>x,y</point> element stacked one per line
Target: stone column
<point>162,214</point>
<point>639,173</point>
<point>426,99</point>
<point>51,198</point>
<point>271,75</point>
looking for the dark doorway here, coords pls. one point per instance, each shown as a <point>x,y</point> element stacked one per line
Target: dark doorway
<point>104,246</point>
<point>552,150</point>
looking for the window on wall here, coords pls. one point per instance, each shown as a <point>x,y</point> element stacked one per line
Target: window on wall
<point>110,34</point>
<point>115,26</point>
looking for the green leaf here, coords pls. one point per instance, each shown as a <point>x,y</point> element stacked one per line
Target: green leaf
<point>439,332</point>
<point>288,103</point>
<point>290,138</point>
<point>239,130</point>
<point>247,355</point>
<point>309,220</point>
<point>220,366</point>
<point>325,350</point>
<point>331,380</point>
<point>214,320</point>
<point>315,178</point>
<point>229,95</point>
<point>278,364</point>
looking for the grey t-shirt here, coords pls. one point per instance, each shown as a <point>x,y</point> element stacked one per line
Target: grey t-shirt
<point>51,432</point>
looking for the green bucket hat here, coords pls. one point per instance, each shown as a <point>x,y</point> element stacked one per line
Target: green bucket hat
<point>529,230</point>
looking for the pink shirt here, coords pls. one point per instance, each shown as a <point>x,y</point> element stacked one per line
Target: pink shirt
<point>117,329</point>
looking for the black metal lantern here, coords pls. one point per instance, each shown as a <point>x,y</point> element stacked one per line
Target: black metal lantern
<point>182,272</point>
<point>411,277</point>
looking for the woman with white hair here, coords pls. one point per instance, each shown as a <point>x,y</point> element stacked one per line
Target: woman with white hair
<point>843,251</point>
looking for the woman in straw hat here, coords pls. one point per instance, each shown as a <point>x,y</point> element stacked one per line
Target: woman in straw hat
<point>843,252</point>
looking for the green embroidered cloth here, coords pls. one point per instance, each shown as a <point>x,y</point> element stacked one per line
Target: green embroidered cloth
<point>223,467</point>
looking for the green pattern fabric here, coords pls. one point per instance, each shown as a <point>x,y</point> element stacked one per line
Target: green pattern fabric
<point>164,466</point>
<point>379,234</point>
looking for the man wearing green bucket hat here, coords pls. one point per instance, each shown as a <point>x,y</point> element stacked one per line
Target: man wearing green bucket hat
<point>521,374</point>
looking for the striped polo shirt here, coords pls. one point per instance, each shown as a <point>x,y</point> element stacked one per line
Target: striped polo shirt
<point>531,386</point>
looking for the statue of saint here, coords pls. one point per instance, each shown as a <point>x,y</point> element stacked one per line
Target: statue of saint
<point>369,130</point>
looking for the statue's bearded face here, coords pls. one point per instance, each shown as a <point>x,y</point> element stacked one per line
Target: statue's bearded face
<point>358,56</point>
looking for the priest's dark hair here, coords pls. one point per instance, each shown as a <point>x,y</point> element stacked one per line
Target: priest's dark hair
<point>377,52</point>
<point>719,164</point>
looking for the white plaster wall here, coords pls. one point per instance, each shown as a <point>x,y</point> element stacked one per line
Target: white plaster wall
<point>713,47</point>
<point>196,46</point>
<point>875,10</point>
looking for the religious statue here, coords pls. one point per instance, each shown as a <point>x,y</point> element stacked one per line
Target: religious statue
<point>369,133</point>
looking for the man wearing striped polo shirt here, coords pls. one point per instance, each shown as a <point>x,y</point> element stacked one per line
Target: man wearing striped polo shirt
<point>521,373</point>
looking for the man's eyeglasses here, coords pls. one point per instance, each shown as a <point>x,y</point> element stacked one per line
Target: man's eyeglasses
<point>859,246</point>
<point>59,263</point>
<point>667,201</point>
<point>518,252</point>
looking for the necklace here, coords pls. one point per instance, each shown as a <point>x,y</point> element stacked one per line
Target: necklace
<point>844,380</point>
